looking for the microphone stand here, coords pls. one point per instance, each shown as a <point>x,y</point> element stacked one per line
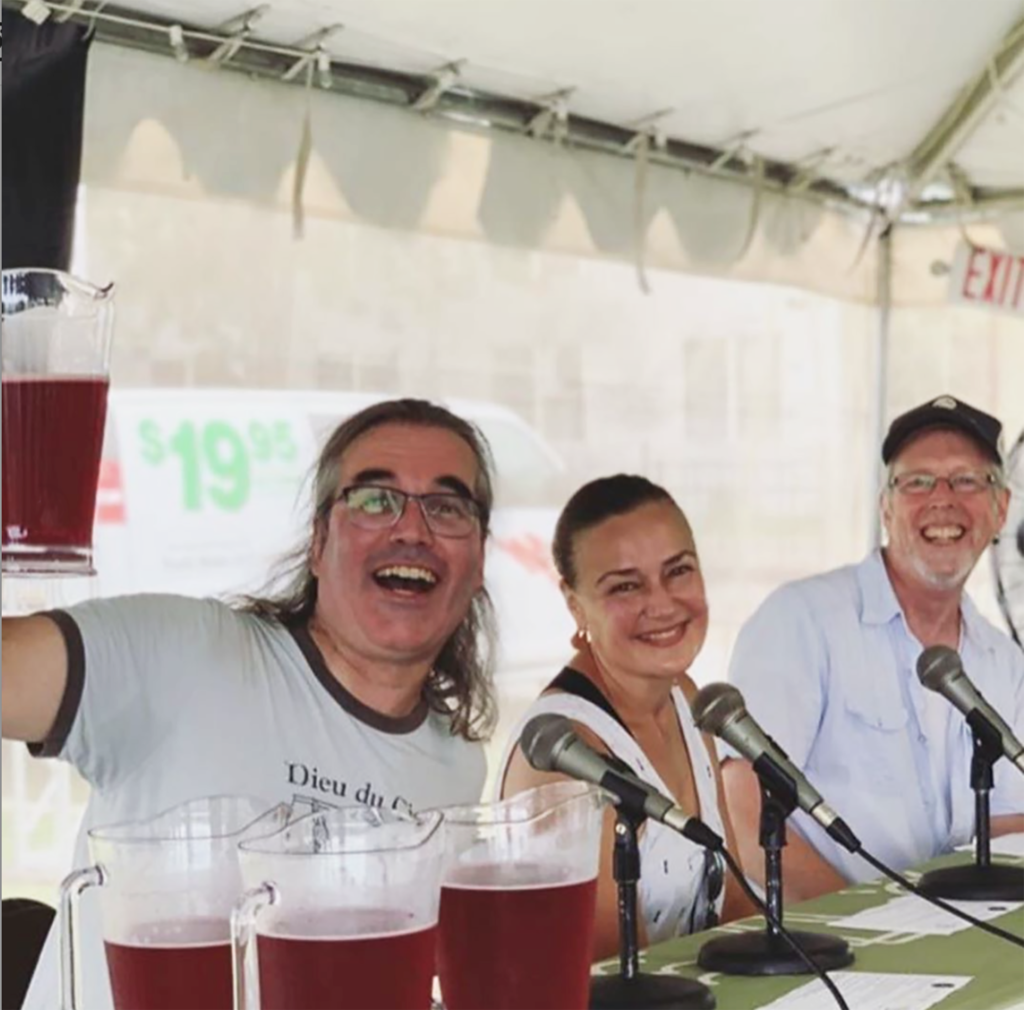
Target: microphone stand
<point>632,988</point>
<point>768,953</point>
<point>981,880</point>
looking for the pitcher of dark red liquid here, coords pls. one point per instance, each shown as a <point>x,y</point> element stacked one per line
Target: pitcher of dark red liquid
<point>55,343</point>
<point>167,888</point>
<point>518,899</point>
<point>340,913</point>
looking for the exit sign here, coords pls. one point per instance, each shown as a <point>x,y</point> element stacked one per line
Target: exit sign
<point>989,278</point>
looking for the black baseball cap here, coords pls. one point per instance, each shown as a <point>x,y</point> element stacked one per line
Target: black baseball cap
<point>945,412</point>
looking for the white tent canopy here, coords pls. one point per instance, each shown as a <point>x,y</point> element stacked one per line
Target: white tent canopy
<point>802,129</point>
<point>879,98</point>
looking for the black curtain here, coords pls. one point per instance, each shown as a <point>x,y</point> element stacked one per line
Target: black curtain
<point>43,99</point>
<point>26,924</point>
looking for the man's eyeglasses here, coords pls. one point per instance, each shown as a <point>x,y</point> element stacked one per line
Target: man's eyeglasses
<point>920,484</point>
<point>379,508</point>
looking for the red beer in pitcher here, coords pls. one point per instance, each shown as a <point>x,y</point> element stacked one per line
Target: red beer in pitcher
<point>517,902</point>
<point>509,939</point>
<point>340,909</point>
<point>56,353</point>
<point>166,887</point>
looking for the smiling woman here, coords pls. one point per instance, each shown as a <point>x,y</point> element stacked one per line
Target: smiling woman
<point>631,577</point>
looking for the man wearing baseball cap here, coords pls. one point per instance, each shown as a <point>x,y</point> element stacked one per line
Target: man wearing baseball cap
<point>827,666</point>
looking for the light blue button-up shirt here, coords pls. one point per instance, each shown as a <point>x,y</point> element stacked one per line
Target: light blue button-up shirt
<point>827,666</point>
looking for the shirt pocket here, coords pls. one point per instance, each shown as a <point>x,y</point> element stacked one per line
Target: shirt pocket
<point>876,742</point>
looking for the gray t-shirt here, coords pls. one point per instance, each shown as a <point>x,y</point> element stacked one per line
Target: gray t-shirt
<point>171,698</point>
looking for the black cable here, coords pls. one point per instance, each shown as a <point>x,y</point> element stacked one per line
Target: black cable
<point>793,943</point>
<point>945,906</point>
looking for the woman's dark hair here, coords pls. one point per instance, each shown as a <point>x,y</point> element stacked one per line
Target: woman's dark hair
<point>592,504</point>
<point>461,681</point>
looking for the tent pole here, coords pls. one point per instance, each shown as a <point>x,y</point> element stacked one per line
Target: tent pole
<point>968,110</point>
<point>884,299</point>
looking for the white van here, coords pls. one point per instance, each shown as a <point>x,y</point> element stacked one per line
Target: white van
<point>201,489</point>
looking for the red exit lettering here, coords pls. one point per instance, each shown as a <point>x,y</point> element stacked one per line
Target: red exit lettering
<point>994,278</point>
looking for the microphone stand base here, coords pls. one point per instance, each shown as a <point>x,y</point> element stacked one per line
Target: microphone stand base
<point>995,882</point>
<point>652,992</point>
<point>766,954</point>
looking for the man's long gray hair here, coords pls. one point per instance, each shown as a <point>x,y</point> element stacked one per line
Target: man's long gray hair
<point>461,683</point>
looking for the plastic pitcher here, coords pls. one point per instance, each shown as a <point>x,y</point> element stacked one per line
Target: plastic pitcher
<point>343,908</point>
<point>167,888</point>
<point>55,341</point>
<point>518,898</point>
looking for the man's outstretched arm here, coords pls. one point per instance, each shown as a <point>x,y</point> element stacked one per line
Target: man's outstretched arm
<point>33,676</point>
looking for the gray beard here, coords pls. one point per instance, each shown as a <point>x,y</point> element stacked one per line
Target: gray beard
<point>943,580</point>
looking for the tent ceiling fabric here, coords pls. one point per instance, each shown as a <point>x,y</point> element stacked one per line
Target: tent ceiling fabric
<point>845,89</point>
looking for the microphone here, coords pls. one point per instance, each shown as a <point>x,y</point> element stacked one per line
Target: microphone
<point>551,745</point>
<point>940,669</point>
<point>719,709</point>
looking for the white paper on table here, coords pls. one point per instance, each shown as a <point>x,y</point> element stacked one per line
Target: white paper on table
<point>911,914</point>
<point>1003,845</point>
<point>872,990</point>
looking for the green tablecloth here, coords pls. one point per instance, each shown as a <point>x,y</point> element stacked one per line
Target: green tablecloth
<point>996,966</point>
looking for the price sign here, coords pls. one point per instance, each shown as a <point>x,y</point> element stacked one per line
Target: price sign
<point>213,485</point>
<point>218,460</point>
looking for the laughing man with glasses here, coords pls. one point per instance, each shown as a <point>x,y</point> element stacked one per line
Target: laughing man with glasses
<point>362,675</point>
<point>828,665</point>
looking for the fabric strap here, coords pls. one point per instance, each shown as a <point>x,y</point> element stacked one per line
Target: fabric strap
<point>573,682</point>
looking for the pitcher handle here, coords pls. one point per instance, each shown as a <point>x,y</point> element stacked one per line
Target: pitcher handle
<point>71,889</point>
<point>245,973</point>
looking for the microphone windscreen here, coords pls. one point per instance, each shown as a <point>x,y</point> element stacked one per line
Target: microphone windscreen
<point>714,705</point>
<point>540,739</point>
<point>936,665</point>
